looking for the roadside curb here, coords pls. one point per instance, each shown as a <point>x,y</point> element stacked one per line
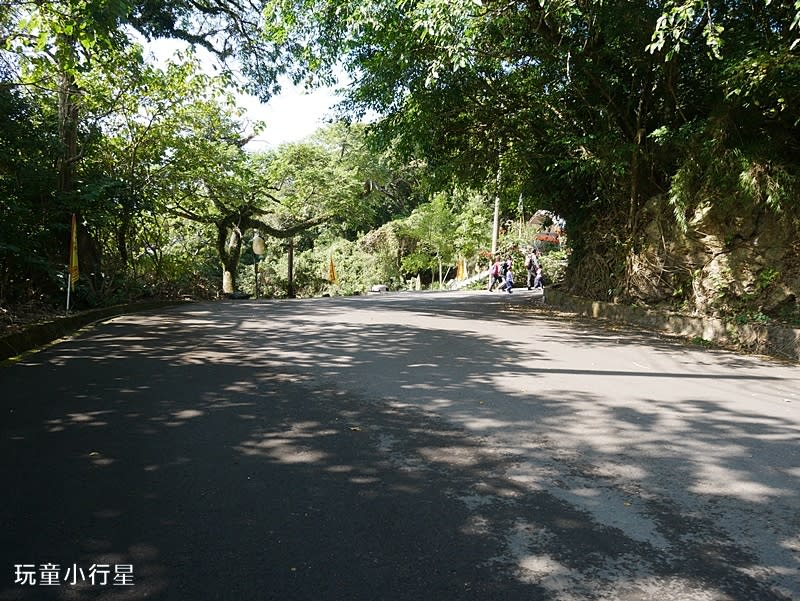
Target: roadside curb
<point>771,339</point>
<point>43,333</point>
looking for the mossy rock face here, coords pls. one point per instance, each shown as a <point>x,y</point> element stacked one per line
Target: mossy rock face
<point>721,264</point>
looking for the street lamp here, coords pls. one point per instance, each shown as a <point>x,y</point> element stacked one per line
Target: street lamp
<point>259,248</point>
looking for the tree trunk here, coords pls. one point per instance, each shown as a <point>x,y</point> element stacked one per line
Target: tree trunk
<point>228,280</point>
<point>290,286</point>
<point>122,239</point>
<point>67,133</point>
<point>69,156</point>
<point>639,137</point>
<point>635,193</point>
<point>229,247</point>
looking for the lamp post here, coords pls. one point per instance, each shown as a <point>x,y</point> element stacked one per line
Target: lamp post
<point>259,248</point>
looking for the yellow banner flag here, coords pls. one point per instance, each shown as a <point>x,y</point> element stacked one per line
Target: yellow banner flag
<point>332,272</point>
<point>74,274</point>
<point>461,269</point>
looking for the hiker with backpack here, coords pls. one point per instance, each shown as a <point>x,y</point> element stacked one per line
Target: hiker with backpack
<point>531,264</point>
<point>495,275</point>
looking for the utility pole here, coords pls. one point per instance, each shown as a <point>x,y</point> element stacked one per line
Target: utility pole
<point>496,221</point>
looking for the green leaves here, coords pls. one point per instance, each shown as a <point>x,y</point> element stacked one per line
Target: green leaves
<point>431,227</point>
<point>674,26</point>
<point>68,33</point>
<point>796,24</point>
<point>683,20</point>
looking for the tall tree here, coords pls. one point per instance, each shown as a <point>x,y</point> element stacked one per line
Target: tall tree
<point>62,45</point>
<point>28,143</point>
<point>430,226</point>
<point>562,92</point>
<point>56,44</point>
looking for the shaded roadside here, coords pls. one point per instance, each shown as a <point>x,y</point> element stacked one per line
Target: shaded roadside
<point>777,340</point>
<point>35,335</point>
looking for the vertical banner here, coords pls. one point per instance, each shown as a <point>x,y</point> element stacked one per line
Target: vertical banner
<point>332,271</point>
<point>73,253</point>
<point>73,273</point>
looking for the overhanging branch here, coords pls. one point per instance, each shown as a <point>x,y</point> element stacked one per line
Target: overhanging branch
<point>289,231</point>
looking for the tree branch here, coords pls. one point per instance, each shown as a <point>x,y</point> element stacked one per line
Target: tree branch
<point>287,232</point>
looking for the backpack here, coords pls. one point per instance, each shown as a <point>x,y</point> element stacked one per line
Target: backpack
<point>495,271</point>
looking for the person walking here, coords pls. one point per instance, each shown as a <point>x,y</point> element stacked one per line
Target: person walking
<point>531,263</point>
<point>495,276</point>
<point>508,285</point>
<point>537,282</point>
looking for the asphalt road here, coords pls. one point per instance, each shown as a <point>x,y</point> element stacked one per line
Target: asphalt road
<point>419,447</point>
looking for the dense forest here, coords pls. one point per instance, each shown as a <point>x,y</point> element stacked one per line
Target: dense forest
<point>665,134</point>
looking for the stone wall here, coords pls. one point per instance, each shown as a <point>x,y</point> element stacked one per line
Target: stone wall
<point>776,340</point>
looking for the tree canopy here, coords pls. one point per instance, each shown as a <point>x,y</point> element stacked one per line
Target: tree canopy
<point>591,107</point>
<point>612,115</point>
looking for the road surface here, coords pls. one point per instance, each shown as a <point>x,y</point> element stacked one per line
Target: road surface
<point>452,446</point>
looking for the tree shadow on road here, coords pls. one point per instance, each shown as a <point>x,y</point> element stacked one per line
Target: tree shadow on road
<point>298,451</point>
